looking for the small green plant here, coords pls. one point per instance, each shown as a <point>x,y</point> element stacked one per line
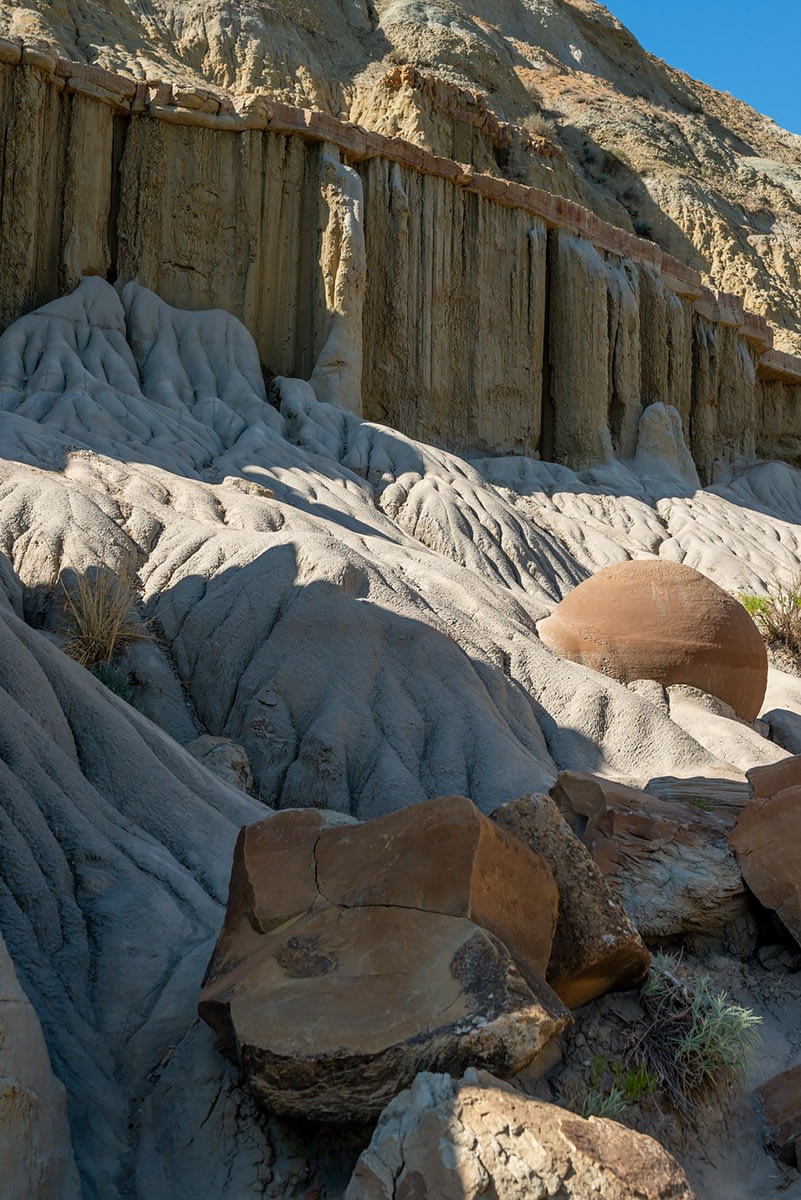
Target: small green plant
<point>754,605</point>
<point>703,805</point>
<point>778,615</point>
<point>630,1085</point>
<point>643,229</point>
<point>599,1103</point>
<point>100,610</point>
<point>695,1039</point>
<point>636,1082</point>
<point>115,679</point>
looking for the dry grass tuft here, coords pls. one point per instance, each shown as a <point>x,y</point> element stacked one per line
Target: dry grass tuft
<point>101,614</point>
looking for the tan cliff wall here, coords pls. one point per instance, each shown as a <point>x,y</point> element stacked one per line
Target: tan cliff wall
<point>479,314</point>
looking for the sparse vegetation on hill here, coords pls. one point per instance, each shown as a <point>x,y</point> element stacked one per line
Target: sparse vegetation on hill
<point>778,615</point>
<point>100,609</point>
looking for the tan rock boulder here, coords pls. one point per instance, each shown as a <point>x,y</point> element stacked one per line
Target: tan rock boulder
<point>445,856</point>
<point>766,840</point>
<point>596,948</point>
<point>667,862</point>
<point>780,1098</point>
<point>775,777</point>
<point>654,619</point>
<point>448,1139</point>
<point>353,957</point>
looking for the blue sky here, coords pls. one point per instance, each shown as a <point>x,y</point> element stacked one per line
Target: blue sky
<point>739,46</point>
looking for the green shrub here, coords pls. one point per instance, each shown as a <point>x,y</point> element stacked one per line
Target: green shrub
<point>115,679</point>
<point>778,615</point>
<point>695,1039</point>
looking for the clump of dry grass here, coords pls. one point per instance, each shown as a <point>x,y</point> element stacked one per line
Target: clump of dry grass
<point>100,609</point>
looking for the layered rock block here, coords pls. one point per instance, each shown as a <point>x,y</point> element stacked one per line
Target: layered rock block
<point>353,957</point>
<point>666,862</point>
<point>655,619</point>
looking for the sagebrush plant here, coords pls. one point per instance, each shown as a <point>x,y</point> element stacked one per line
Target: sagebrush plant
<point>778,615</point>
<point>100,610</point>
<point>694,1039</point>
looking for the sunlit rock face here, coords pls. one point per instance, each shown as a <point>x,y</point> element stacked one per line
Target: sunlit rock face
<point>662,620</point>
<point>419,939</point>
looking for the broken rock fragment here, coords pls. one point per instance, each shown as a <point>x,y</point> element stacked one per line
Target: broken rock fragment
<point>353,957</point>
<point>775,777</point>
<point>780,1098</point>
<point>448,1139</point>
<point>596,948</point>
<point>766,840</point>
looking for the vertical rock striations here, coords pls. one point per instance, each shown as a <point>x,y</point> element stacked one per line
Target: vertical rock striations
<point>476,313</point>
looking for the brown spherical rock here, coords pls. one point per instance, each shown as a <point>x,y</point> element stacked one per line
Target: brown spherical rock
<point>654,619</point>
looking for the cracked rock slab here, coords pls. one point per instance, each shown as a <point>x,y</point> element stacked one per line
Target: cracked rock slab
<point>354,956</point>
<point>447,1139</point>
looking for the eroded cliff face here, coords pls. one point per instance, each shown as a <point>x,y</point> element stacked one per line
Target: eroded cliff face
<point>556,93</point>
<point>483,315</point>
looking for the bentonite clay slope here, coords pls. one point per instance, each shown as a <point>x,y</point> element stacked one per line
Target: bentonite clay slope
<point>357,609</point>
<point>554,92</point>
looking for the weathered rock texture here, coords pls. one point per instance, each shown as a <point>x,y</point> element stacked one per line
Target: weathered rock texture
<point>351,958</point>
<point>447,1139</point>
<point>664,621</point>
<point>780,1099</point>
<point>666,862</point>
<point>454,313</point>
<point>356,609</point>
<point>558,94</point>
<point>766,840</point>
<point>478,313</point>
<point>596,948</point>
<point>36,1160</point>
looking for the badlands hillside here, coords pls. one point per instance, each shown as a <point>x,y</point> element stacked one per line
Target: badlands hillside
<point>551,92</point>
<point>333,874</point>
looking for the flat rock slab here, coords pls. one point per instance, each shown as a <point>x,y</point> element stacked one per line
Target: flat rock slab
<point>662,620</point>
<point>354,956</point>
<point>447,1139</point>
<point>596,948</point>
<point>666,861</point>
<point>780,1098</point>
<point>766,840</point>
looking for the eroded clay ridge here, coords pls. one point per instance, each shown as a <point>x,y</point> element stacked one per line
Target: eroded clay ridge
<point>474,312</point>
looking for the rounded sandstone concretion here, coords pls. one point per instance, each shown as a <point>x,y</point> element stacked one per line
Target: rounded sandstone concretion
<point>654,619</point>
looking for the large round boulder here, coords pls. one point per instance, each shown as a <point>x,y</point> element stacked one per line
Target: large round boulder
<point>654,619</point>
